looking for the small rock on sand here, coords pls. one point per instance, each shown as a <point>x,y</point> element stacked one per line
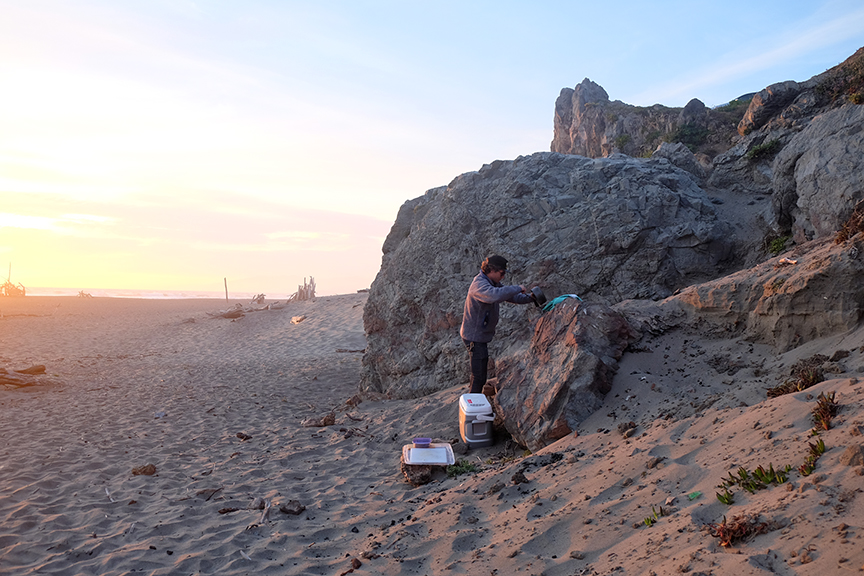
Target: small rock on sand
<point>326,420</point>
<point>417,474</point>
<point>519,478</point>
<point>852,456</point>
<point>146,470</point>
<point>293,507</point>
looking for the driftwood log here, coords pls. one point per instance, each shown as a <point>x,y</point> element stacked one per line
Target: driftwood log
<point>239,310</point>
<point>326,420</point>
<point>11,290</point>
<point>21,378</point>
<point>236,312</point>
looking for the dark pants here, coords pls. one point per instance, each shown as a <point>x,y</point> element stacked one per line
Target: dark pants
<point>479,354</point>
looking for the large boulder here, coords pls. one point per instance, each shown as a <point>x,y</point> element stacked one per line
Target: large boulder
<point>819,174</point>
<point>607,229</point>
<point>766,104</point>
<point>681,156</point>
<point>545,392</point>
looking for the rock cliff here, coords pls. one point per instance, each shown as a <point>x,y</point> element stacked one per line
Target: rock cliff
<point>607,229</point>
<point>587,123</point>
<point>677,237</point>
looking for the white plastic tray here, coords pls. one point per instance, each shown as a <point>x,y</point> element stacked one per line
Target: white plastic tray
<point>440,454</point>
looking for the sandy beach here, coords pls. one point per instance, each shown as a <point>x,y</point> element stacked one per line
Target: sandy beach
<point>217,406</point>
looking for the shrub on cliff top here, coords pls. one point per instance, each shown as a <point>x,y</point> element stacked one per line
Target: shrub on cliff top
<point>844,80</point>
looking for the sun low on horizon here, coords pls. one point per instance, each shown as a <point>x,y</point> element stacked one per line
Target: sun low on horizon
<point>176,145</point>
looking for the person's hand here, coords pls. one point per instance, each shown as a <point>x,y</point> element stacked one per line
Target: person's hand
<point>524,291</point>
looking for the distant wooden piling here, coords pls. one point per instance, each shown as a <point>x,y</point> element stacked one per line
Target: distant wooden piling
<point>226,289</point>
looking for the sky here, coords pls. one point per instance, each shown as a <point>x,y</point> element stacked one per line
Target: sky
<point>179,145</point>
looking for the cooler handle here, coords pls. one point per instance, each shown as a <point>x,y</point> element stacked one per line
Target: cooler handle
<point>483,418</point>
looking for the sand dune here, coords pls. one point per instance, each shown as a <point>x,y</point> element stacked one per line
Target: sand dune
<point>136,382</point>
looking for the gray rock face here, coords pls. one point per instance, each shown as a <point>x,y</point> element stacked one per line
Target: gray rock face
<point>606,229</point>
<point>815,176</point>
<point>546,391</point>
<point>681,156</point>
<point>811,129</point>
<point>733,170</point>
<point>819,174</point>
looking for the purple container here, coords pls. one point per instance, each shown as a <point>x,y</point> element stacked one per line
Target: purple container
<point>422,442</point>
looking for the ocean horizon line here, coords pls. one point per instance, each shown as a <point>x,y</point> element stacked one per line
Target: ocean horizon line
<point>148,294</point>
<point>152,294</point>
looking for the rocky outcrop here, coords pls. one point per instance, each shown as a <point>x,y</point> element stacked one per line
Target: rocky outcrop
<point>580,121</point>
<point>812,291</point>
<point>544,392</point>
<point>766,104</point>
<point>652,238</point>
<point>606,229</point>
<point>791,143</point>
<point>587,123</point>
<point>813,172</point>
<point>803,148</point>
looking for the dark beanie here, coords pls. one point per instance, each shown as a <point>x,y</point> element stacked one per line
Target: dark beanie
<point>496,262</point>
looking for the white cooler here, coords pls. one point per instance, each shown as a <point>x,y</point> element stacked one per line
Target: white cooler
<point>475,420</point>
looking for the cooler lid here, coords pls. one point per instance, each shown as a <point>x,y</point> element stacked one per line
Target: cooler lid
<point>474,404</point>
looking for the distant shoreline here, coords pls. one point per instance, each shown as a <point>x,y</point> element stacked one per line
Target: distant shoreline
<point>147,294</point>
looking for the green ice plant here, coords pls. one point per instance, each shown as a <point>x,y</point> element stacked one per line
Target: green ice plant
<point>824,411</point>
<point>461,467</point>
<point>816,450</point>
<point>655,515</point>
<point>771,476</point>
<point>726,497</point>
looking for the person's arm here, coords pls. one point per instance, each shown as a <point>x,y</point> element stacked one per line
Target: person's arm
<point>521,297</point>
<point>484,291</point>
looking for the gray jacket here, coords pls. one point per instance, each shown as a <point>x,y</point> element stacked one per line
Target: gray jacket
<point>481,307</point>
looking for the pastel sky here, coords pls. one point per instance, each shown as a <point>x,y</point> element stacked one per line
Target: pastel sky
<point>168,144</point>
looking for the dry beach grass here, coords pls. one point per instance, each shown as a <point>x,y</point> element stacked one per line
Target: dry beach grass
<point>136,382</point>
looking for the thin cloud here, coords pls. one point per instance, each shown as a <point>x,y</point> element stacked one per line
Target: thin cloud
<point>290,242</point>
<point>23,221</point>
<point>80,225</point>
<point>86,219</point>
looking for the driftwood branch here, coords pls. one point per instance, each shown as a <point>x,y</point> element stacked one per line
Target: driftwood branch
<point>304,292</point>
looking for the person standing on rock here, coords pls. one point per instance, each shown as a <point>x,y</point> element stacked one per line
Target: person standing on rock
<point>481,314</point>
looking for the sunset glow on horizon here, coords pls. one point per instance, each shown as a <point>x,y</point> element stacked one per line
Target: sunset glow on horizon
<point>166,145</point>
